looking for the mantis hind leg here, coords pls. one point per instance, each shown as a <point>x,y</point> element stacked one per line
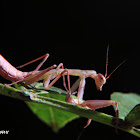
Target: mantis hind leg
<point>40,64</point>
<point>31,78</point>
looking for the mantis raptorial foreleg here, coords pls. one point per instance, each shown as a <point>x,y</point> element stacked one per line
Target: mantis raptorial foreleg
<point>90,104</point>
<point>81,89</point>
<point>75,85</point>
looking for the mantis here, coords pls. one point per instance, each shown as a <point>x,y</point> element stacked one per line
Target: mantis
<point>53,73</point>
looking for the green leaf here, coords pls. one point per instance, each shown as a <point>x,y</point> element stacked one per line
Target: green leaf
<point>134,116</point>
<point>126,102</point>
<point>53,117</point>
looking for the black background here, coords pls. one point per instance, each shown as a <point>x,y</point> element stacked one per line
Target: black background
<point>76,33</point>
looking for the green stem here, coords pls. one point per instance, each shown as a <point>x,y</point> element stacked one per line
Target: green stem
<point>94,115</point>
<point>134,131</point>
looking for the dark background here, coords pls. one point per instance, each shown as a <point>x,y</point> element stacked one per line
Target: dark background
<point>76,33</point>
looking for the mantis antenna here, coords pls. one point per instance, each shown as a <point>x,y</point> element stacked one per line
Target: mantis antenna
<point>106,61</point>
<point>115,69</point>
<point>107,65</point>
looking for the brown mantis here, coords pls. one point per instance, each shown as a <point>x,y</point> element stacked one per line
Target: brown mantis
<point>54,73</point>
<point>9,72</point>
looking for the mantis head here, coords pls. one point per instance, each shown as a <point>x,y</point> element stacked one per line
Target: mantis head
<point>100,79</point>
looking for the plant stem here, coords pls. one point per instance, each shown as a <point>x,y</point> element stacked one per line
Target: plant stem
<point>94,115</point>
